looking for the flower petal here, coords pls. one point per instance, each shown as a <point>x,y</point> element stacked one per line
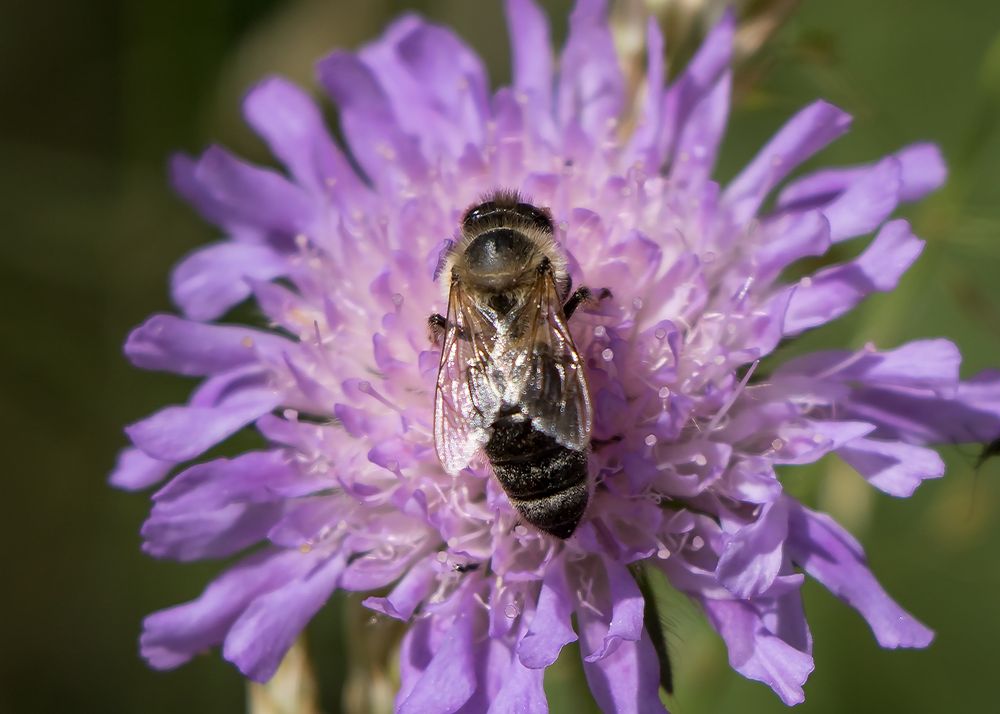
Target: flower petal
<point>218,508</point>
<point>701,134</point>
<point>830,555</point>
<point>216,533</point>
<point>521,691</point>
<point>450,678</point>
<point>922,170</point>
<point>294,129</point>
<point>212,279</point>
<point>171,637</point>
<point>756,652</point>
<point>531,51</point>
<point>409,592</point>
<point>252,477</point>
<point>591,88</point>
<point>834,291</point>
<point>259,639</point>
<point>182,433</point>
<point>870,199</point>
<point>253,195</point>
<point>919,364</point>
<point>169,343</point>
<point>136,470</point>
<point>892,466</point>
<point>644,145</point>
<point>627,681</point>
<point>806,133</point>
<point>968,413</point>
<point>373,132</point>
<point>788,238</point>
<point>627,608</point>
<point>700,79</point>
<point>442,73</point>
<point>753,556</point>
<point>551,627</point>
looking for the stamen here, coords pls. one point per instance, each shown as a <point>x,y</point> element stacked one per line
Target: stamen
<point>733,397</point>
<point>851,360</point>
<point>366,387</point>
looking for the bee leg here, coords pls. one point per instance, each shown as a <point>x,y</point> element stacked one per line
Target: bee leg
<point>436,323</point>
<point>583,294</point>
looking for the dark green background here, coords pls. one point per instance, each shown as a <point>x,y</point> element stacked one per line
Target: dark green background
<point>95,95</point>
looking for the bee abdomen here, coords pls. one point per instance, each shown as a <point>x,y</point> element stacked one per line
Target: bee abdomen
<point>546,482</point>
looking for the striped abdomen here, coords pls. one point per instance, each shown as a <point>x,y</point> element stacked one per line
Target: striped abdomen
<point>546,482</point>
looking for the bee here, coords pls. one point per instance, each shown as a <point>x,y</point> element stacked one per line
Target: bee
<point>511,382</point>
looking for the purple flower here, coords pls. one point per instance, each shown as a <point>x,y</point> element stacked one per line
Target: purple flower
<point>339,255</point>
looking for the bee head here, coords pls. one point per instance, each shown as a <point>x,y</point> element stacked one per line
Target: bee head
<point>503,242</point>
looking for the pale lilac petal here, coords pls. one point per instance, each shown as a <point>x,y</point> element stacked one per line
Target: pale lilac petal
<point>591,87</point>
<point>259,639</point>
<point>415,654</point>
<point>753,556</point>
<point>294,129</point>
<point>834,291</point>
<point>168,343</point>
<point>521,691</point>
<point>252,477</point>
<point>409,592</point>
<point>531,51</point>
<point>921,363</point>
<point>135,470</point>
<point>213,279</point>
<point>867,202</point>
<point>450,677</point>
<point>825,551</point>
<point>373,132</point>
<point>968,413</point>
<point>627,607</point>
<point>171,637</point>
<point>699,80</point>
<point>698,146</point>
<point>756,652</point>
<point>370,570</point>
<point>551,628</point>
<point>789,238</point>
<point>645,143</point>
<point>627,681</point>
<point>922,170</point>
<point>218,508</point>
<point>447,76</point>
<point>205,534</point>
<point>182,177</point>
<point>806,441</point>
<point>253,195</point>
<point>806,133</point>
<point>892,466</point>
<point>182,433</point>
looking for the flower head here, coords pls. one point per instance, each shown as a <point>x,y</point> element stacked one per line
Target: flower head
<point>339,254</point>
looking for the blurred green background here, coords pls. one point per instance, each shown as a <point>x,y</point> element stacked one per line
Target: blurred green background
<point>95,97</point>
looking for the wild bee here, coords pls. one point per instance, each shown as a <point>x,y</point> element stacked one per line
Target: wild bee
<point>510,380</point>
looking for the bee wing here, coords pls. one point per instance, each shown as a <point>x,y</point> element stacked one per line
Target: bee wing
<point>466,399</point>
<point>552,385</point>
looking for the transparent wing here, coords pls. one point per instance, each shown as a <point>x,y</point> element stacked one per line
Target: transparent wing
<point>551,381</point>
<point>466,399</point>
